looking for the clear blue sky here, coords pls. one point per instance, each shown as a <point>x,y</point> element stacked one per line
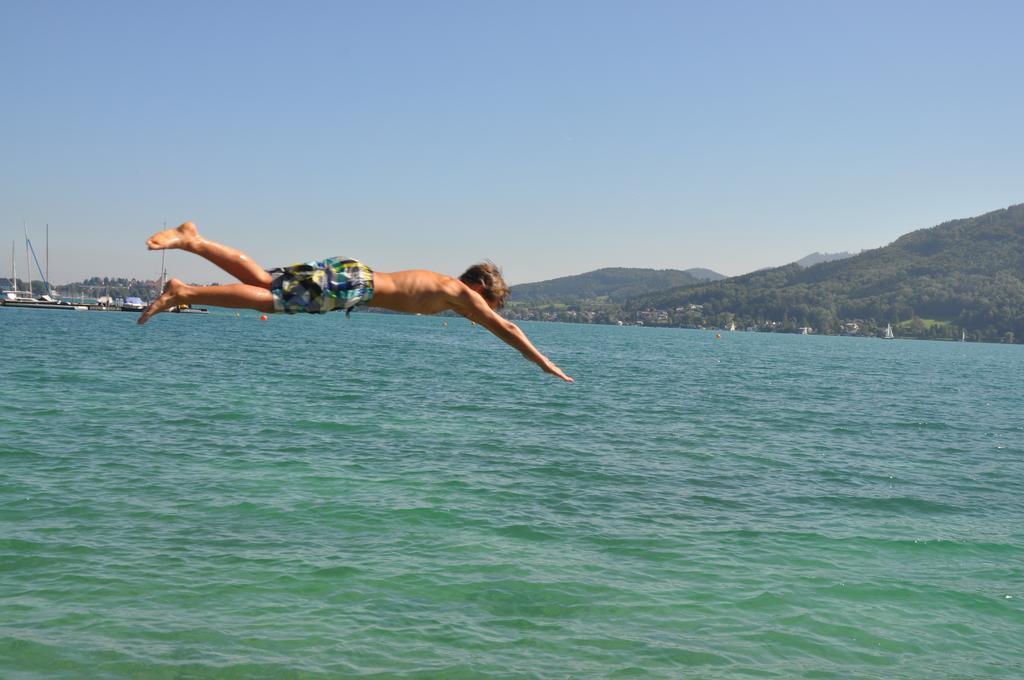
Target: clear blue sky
<point>551,137</point>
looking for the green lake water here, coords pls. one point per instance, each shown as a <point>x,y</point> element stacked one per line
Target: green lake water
<point>384,496</point>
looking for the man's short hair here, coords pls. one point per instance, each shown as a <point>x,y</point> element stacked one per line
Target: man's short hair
<point>488,276</point>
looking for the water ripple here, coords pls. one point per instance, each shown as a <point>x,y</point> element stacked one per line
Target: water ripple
<point>190,500</point>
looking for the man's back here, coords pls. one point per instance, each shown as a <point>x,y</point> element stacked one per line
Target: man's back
<point>416,291</point>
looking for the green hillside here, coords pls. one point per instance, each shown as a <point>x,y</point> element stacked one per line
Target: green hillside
<point>965,274</point>
<point>612,284</point>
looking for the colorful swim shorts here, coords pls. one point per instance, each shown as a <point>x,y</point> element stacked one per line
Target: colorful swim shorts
<point>321,286</point>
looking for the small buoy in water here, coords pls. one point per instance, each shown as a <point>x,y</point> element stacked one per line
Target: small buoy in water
<point>263,317</point>
<point>446,324</point>
<point>718,336</point>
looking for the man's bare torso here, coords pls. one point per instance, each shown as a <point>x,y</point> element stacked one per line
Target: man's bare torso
<point>415,291</point>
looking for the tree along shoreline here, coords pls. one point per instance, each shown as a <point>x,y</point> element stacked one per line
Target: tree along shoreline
<point>695,317</point>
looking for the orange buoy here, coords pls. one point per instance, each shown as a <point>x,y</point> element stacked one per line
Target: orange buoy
<point>263,317</point>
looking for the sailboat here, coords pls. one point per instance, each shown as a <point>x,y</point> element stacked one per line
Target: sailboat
<point>25,298</point>
<point>13,296</point>
<point>888,332</point>
<point>963,336</point>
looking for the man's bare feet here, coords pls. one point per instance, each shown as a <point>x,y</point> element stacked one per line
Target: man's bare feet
<point>179,237</point>
<point>171,297</point>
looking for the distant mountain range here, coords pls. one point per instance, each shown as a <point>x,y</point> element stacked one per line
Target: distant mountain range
<point>612,284</point>
<point>965,274</point>
<point>618,284</point>
<point>818,258</point>
<point>963,277</point>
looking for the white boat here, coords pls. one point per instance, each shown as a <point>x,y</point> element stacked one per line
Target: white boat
<point>17,296</point>
<point>133,304</point>
<point>888,333</point>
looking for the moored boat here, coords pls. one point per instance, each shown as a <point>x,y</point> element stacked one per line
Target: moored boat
<point>188,309</point>
<point>133,304</point>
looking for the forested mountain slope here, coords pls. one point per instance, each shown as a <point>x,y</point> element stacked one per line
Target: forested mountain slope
<point>966,272</point>
<point>615,284</point>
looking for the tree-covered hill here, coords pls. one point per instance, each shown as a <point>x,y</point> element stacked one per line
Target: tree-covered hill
<point>614,284</point>
<point>966,273</point>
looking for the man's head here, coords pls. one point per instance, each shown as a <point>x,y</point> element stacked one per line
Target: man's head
<point>485,278</point>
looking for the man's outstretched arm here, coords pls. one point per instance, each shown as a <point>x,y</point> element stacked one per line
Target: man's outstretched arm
<point>472,306</point>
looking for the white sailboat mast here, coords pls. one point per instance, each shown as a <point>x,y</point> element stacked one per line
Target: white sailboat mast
<point>28,265</point>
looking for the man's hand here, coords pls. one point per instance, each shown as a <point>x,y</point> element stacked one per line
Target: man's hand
<point>549,367</point>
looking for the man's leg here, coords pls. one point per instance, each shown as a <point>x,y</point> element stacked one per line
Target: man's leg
<point>237,295</point>
<point>234,262</point>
